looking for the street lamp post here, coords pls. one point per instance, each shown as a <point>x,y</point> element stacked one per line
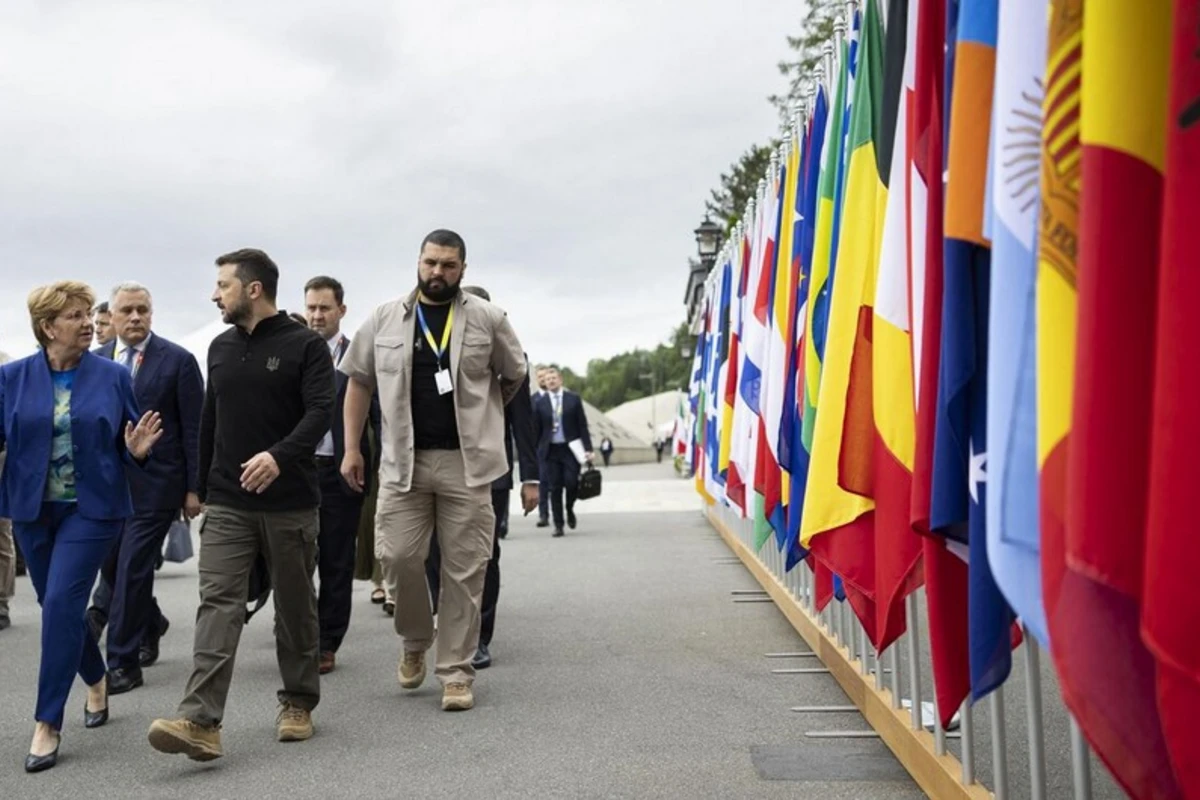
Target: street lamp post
<point>652,376</point>
<point>708,242</point>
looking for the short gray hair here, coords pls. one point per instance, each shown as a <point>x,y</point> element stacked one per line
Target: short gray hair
<point>478,291</point>
<point>129,286</point>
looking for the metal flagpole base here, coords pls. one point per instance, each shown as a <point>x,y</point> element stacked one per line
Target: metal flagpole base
<point>790,655</point>
<point>825,709</point>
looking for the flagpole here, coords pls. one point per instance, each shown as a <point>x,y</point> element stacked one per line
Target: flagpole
<point>1033,706</point>
<point>893,662</point>
<point>939,733</point>
<point>999,745</point>
<point>968,742</point>
<point>864,654</point>
<point>1081,763</point>
<point>810,93</point>
<point>835,53</point>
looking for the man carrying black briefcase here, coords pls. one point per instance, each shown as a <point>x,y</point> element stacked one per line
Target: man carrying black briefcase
<point>563,443</point>
<point>589,483</point>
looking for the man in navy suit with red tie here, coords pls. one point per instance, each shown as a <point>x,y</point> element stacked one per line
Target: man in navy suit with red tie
<point>166,379</point>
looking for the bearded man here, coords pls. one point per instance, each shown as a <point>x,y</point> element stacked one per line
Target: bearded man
<point>445,363</point>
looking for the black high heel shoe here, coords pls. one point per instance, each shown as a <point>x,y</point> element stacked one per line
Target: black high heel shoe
<point>42,763</point>
<point>94,719</point>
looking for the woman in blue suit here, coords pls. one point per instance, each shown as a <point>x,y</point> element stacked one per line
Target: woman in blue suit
<point>70,422</point>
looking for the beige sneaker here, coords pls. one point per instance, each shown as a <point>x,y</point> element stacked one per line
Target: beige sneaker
<point>197,742</point>
<point>411,671</point>
<point>457,697</point>
<point>294,724</point>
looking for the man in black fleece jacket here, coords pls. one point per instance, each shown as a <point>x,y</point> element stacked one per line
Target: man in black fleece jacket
<point>268,403</point>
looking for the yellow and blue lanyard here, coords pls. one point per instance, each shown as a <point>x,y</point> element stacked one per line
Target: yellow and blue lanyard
<point>437,351</point>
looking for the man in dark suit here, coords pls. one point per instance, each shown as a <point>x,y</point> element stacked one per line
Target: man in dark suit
<point>341,506</point>
<point>166,379</point>
<point>518,424</point>
<point>559,419</point>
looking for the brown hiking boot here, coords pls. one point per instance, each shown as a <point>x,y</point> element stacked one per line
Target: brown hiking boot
<point>293,724</point>
<point>457,697</point>
<point>197,742</point>
<point>411,671</point>
<point>326,662</point>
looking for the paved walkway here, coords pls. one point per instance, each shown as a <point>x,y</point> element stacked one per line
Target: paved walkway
<point>622,670</point>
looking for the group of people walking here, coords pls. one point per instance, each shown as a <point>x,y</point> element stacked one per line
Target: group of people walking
<point>426,409</point>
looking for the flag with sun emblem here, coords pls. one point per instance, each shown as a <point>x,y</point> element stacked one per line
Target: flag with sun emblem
<point>1013,533</point>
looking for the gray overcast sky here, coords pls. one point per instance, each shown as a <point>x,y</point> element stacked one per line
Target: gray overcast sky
<point>572,143</point>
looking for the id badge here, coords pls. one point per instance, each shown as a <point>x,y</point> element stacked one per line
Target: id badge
<point>442,379</point>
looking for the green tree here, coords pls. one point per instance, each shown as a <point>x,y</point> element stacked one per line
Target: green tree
<point>815,31</point>
<point>635,374</point>
<point>739,184</point>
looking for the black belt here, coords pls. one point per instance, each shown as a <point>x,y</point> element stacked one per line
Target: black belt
<point>325,461</point>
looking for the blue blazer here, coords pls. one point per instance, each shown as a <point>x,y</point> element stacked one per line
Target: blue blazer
<point>574,421</point>
<point>102,401</point>
<point>169,382</point>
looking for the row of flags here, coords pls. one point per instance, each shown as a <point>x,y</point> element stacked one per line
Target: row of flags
<point>947,345</point>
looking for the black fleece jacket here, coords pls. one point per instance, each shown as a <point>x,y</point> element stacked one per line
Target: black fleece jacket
<point>270,390</point>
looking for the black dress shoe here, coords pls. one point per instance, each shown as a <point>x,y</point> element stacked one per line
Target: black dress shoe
<point>42,763</point>
<point>558,531</point>
<point>123,680</point>
<point>94,719</point>
<point>571,521</point>
<point>4,621</point>
<point>483,657</point>
<point>148,654</point>
<point>543,523</point>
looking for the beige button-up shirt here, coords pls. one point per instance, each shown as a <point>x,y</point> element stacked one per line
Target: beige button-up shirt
<point>487,364</point>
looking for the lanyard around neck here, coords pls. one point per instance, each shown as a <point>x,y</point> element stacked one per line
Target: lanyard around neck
<point>437,351</point>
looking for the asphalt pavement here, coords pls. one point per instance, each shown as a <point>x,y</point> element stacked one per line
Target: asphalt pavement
<point>623,669</point>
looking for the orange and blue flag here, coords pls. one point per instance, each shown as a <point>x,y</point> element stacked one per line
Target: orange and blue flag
<point>958,503</point>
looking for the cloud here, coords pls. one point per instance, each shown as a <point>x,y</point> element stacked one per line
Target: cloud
<point>572,144</point>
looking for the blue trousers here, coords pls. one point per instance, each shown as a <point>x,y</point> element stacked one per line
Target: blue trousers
<point>63,552</point>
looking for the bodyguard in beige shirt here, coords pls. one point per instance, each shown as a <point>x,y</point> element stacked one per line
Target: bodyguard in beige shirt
<point>445,363</point>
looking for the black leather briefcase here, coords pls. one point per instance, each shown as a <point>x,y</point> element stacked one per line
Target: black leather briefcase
<point>589,483</point>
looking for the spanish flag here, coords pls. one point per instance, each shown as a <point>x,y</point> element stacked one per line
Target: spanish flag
<point>1056,292</point>
<point>1117,166</point>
